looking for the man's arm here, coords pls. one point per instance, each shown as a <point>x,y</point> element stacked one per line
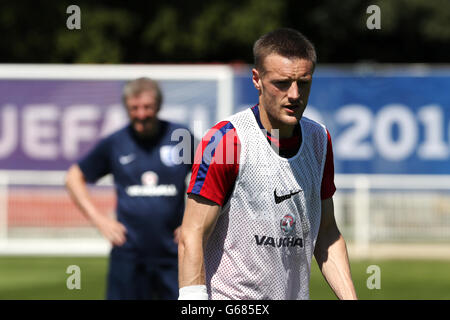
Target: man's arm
<point>76,186</point>
<point>331,254</point>
<point>199,221</point>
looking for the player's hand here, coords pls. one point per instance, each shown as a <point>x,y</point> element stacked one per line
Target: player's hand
<point>176,235</point>
<point>112,230</point>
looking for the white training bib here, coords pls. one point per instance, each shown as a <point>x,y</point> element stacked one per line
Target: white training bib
<point>263,242</point>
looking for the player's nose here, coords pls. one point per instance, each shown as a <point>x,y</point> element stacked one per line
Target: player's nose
<point>294,92</point>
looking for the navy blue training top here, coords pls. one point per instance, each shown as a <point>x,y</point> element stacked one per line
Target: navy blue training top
<point>149,178</point>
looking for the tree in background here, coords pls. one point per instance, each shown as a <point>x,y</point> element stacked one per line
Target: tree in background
<point>220,31</point>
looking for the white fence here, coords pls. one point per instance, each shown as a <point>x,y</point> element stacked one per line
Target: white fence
<point>37,215</point>
<point>395,215</point>
<point>391,211</point>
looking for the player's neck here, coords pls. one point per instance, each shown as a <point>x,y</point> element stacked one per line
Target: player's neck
<point>276,128</point>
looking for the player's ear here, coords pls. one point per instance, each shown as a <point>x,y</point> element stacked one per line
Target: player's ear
<point>256,78</point>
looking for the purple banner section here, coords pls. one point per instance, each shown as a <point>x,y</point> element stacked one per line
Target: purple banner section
<point>48,125</point>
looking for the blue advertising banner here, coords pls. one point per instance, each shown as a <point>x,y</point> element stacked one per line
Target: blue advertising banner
<point>389,123</point>
<point>394,122</point>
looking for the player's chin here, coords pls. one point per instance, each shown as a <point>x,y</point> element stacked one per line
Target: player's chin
<point>291,118</point>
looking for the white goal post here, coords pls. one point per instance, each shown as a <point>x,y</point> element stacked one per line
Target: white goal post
<point>26,196</point>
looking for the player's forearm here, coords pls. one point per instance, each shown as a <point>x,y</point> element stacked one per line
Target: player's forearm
<point>79,193</point>
<point>191,263</point>
<point>332,257</point>
<point>199,220</point>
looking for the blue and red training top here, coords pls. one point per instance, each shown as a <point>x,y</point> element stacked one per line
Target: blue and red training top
<point>216,162</point>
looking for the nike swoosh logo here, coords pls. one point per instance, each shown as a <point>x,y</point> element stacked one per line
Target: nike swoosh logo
<point>279,199</point>
<point>127,159</point>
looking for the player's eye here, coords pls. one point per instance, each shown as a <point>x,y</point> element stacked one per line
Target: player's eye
<point>282,84</point>
<point>304,81</point>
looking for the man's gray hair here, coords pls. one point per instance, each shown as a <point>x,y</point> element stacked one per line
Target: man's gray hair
<point>135,87</point>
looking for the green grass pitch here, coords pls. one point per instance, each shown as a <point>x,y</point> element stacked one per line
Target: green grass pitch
<point>45,278</point>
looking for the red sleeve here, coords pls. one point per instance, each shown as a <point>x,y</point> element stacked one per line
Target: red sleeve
<point>328,188</point>
<point>216,164</point>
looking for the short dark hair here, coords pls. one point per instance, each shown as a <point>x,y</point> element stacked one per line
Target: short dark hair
<point>137,86</point>
<point>286,42</point>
